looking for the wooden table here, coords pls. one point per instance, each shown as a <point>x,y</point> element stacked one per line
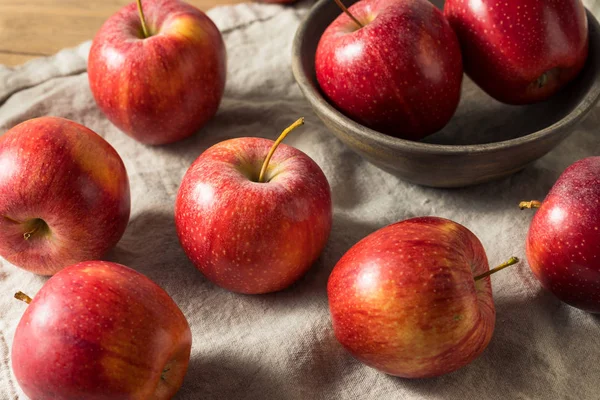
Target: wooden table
<point>34,28</point>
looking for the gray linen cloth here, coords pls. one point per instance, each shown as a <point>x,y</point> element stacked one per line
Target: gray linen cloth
<point>281,346</point>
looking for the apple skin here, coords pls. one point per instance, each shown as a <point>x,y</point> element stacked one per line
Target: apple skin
<point>99,330</point>
<point>508,45</point>
<point>403,300</point>
<point>163,88</point>
<point>400,74</point>
<point>251,237</point>
<point>563,243</point>
<point>62,173</point>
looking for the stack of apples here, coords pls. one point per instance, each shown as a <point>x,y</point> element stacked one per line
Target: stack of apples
<point>396,66</point>
<point>413,299</point>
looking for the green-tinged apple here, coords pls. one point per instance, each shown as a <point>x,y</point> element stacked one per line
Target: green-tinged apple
<point>64,195</point>
<point>414,299</point>
<point>252,219</point>
<point>158,71</point>
<point>99,330</point>
<point>563,244</point>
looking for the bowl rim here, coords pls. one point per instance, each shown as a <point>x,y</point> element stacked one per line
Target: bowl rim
<point>322,106</point>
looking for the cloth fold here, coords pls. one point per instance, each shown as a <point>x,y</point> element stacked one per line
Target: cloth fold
<point>281,345</point>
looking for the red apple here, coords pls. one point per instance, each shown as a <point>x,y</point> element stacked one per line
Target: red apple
<point>247,234</point>
<point>404,299</point>
<point>99,330</point>
<point>164,87</point>
<point>64,195</point>
<point>400,74</point>
<point>563,244</point>
<point>520,51</point>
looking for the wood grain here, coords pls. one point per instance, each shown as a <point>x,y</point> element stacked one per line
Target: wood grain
<point>33,28</point>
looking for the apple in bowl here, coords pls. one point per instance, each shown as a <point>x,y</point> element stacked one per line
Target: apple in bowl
<point>64,195</point>
<point>158,72</point>
<point>394,66</point>
<point>414,299</point>
<point>521,52</point>
<point>253,220</point>
<point>99,330</point>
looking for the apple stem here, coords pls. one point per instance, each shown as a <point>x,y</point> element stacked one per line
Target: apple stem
<point>287,130</point>
<point>530,204</point>
<point>142,18</point>
<point>37,225</point>
<point>27,235</point>
<point>23,297</point>
<point>344,9</point>
<point>542,80</point>
<point>511,261</point>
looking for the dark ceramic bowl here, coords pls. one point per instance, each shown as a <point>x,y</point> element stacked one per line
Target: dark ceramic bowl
<point>485,140</point>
